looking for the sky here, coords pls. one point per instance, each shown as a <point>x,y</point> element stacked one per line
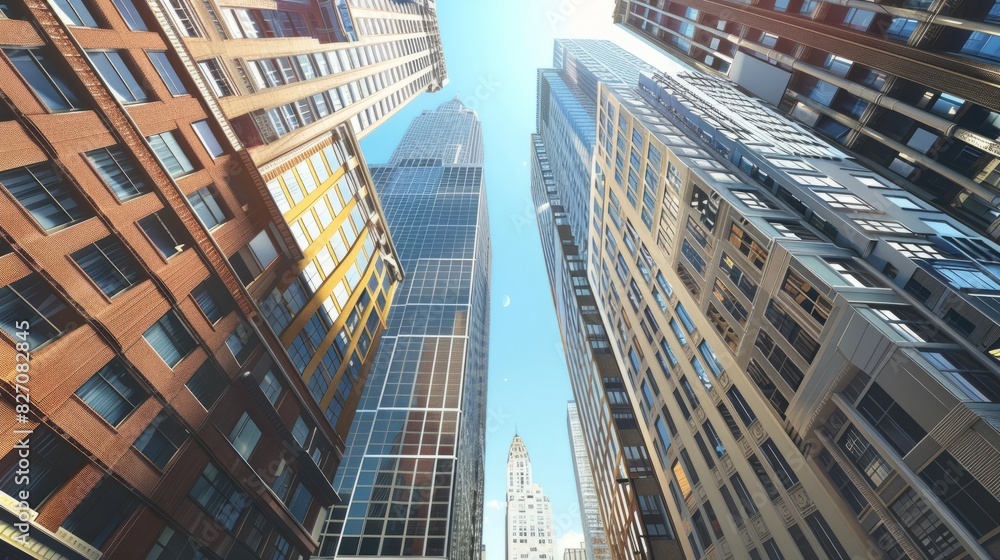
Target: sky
<point>492,52</point>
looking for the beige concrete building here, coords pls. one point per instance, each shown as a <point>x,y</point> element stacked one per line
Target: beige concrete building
<point>812,347</point>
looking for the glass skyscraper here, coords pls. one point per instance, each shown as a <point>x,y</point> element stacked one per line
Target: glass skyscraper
<point>411,482</point>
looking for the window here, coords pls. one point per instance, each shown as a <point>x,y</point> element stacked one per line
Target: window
<point>753,200</point>
<point>170,154</point>
<point>742,408</point>
<point>170,339</point>
<point>113,392</point>
<point>806,551</point>
<point>973,505</point>
<point>207,207</point>
<point>301,431</point>
<point>271,387</point>
<point>155,227</point>
<point>855,274</point>
<point>763,477</point>
<point>242,343</point>
<point>244,436</point>
<point>180,12</point>
<point>215,76</point>
<point>219,496</point>
<point>101,512</point>
<point>208,138</point>
<point>744,495</point>
<point>109,265</point>
<point>207,384</point>
<point>130,14</point>
<point>53,463</point>
<point>74,12</point>
<point>778,463</point>
<point>801,341</point>
<point>842,481</point>
<point>161,439</point>
<point>299,504</point>
<point>44,193</point>
<point>843,201</point>
<point>117,75</point>
<point>971,377</point>
<point>883,226</point>
<point>891,420</point>
<point>903,202</point>
<point>211,297</point>
<point>166,70</point>
<point>172,545</point>
<point>713,439</point>
<point>874,468</point>
<point>807,296</point>
<point>46,79</point>
<point>747,246</point>
<point>930,534</point>
<point>918,250</point>
<point>120,171</point>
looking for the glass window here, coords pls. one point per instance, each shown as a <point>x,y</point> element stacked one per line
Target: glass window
<point>216,77</point>
<point>158,232</point>
<point>219,496</point>
<point>117,75</point>
<point>170,154</point>
<point>299,503</point>
<point>120,171</point>
<point>930,534</point>
<point>874,468</point>
<point>778,463</point>
<point>166,70</point>
<point>74,12</point>
<point>161,439</point>
<point>207,384</point>
<point>172,545</point>
<point>207,207</point>
<point>807,296</point>
<point>244,436</point>
<point>300,431</point>
<point>271,387</point>
<point>44,194</point>
<point>131,15</point>
<point>741,407</point>
<point>47,79</point>
<point>170,338</point>
<point>744,495</point>
<point>101,512</point>
<point>54,462</point>
<point>891,420</point>
<point>109,265</point>
<point>212,298</point>
<point>843,201</point>
<point>763,477</point>
<point>113,392</point>
<point>971,377</point>
<point>973,505</point>
<point>208,138</point>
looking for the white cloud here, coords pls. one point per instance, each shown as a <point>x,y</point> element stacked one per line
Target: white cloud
<point>570,539</point>
<point>493,504</point>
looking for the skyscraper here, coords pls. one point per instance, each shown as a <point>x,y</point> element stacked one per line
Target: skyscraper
<point>631,501</point>
<point>596,543</point>
<point>412,477</point>
<point>576,554</point>
<point>530,533</point>
<point>803,320</point>
<point>911,88</point>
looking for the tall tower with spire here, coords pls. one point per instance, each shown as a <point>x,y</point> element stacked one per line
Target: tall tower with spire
<point>529,514</point>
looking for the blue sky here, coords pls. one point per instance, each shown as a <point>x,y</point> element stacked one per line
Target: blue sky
<point>492,51</point>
